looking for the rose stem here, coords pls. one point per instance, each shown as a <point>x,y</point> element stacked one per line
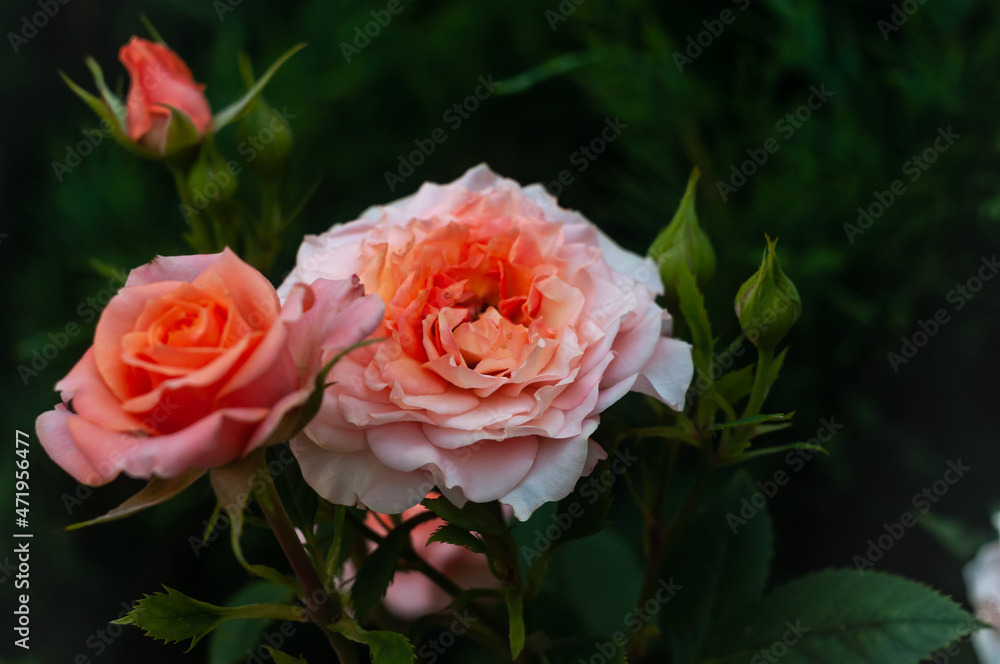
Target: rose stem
<point>323,607</point>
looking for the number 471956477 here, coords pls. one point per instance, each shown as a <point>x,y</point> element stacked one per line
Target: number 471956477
<point>21,474</point>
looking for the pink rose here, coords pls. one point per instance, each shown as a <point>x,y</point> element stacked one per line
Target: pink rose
<point>412,594</point>
<point>511,323</point>
<point>982,579</point>
<point>159,78</point>
<point>195,364</point>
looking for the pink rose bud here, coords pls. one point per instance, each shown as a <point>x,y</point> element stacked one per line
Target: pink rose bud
<point>195,364</point>
<point>160,79</point>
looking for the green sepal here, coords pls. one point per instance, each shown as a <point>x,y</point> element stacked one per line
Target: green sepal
<point>515,609</point>
<point>692,306</point>
<point>233,484</point>
<point>241,106</point>
<point>284,658</point>
<point>157,491</point>
<point>754,419</point>
<point>182,134</point>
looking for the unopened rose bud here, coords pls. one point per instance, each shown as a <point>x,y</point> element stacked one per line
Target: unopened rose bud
<point>265,140</point>
<point>768,303</point>
<point>211,182</point>
<point>683,242</point>
<point>160,81</point>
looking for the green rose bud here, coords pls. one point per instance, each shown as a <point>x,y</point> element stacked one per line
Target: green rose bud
<point>211,182</point>
<point>265,140</point>
<point>683,242</point>
<point>768,303</point>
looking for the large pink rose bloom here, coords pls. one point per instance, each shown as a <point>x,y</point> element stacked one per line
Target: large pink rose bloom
<point>510,324</point>
<point>195,364</point>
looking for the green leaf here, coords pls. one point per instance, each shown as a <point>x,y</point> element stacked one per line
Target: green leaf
<point>515,609</point>
<point>376,572</point>
<point>578,586</point>
<point>838,616</point>
<point>174,617</point>
<point>754,419</point>
<point>231,640</point>
<point>386,647</point>
<point>239,108</point>
<point>284,658</point>
<point>450,534</point>
<point>474,517</point>
<point>157,491</point>
<point>555,67</point>
<point>721,571</point>
<point>692,306</point>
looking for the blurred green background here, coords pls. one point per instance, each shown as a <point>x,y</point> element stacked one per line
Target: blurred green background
<point>570,68</point>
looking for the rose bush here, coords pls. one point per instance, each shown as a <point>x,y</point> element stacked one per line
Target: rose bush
<point>510,324</point>
<point>159,79</point>
<point>195,363</point>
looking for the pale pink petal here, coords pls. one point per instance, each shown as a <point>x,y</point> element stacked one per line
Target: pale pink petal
<point>668,373</point>
<point>558,466</point>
